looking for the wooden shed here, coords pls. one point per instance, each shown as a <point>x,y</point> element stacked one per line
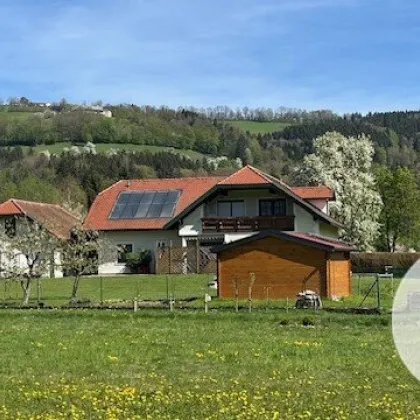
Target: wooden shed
<point>284,263</point>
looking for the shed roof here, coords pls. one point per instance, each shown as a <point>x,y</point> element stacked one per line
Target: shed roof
<point>304,238</point>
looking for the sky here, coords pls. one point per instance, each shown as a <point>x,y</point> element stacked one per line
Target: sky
<point>343,55</point>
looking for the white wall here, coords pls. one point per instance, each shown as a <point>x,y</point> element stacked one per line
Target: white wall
<point>191,225</point>
<point>20,260</point>
<point>304,221</point>
<point>140,240</point>
<point>231,237</point>
<point>321,204</point>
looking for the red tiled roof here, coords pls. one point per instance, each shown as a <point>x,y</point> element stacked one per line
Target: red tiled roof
<point>246,175</point>
<point>317,241</point>
<point>190,190</point>
<point>313,193</point>
<point>323,240</point>
<point>9,208</point>
<point>53,217</point>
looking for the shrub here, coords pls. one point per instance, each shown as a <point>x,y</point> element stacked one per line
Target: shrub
<point>375,262</point>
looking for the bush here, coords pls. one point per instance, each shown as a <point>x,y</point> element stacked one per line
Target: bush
<point>375,262</point>
<point>139,260</point>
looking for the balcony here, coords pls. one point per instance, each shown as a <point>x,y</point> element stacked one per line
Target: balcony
<point>247,224</point>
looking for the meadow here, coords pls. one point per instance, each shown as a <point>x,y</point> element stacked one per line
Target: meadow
<point>255,127</point>
<point>93,364</point>
<point>57,148</point>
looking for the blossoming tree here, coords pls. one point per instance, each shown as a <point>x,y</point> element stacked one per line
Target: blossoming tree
<point>344,164</point>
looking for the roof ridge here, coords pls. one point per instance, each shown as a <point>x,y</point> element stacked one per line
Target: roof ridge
<point>13,200</point>
<point>33,202</point>
<point>252,168</point>
<point>312,186</point>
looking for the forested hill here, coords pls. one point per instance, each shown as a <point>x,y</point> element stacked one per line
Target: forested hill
<point>133,141</point>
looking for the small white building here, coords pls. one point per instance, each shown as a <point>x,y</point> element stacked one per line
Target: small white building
<point>183,212</point>
<point>58,222</point>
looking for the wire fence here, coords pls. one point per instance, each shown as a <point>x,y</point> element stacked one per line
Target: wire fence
<point>184,291</point>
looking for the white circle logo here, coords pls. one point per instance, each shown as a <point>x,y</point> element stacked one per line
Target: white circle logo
<point>406,320</point>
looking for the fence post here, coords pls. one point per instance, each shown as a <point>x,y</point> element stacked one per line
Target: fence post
<point>101,290</point>
<point>251,283</point>
<point>197,255</point>
<point>378,293</point>
<point>39,290</point>
<point>170,258</point>
<point>167,288</point>
<point>136,304</point>
<point>266,298</point>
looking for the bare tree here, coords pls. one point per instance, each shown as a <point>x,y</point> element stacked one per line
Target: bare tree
<point>28,252</point>
<point>82,254</point>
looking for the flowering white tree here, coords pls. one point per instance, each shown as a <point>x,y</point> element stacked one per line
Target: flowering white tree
<point>82,253</point>
<point>344,164</point>
<point>26,254</point>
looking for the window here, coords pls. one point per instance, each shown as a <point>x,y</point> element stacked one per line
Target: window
<point>10,226</point>
<point>230,208</point>
<point>123,250</point>
<point>273,207</point>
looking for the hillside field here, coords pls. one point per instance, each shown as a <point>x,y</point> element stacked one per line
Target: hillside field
<point>190,365</point>
<point>57,148</point>
<point>255,127</point>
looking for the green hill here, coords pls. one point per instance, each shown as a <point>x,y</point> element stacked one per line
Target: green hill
<point>255,127</point>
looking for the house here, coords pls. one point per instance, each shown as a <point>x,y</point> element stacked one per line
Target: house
<point>57,221</point>
<point>188,213</point>
<point>284,264</point>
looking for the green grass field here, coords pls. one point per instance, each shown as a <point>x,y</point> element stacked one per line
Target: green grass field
<point>190,365</point>
<point>256,127</point>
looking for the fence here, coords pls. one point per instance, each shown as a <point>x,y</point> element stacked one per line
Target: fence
<point>185,260</point>
<point>185,290</point>
<point>115,291</point>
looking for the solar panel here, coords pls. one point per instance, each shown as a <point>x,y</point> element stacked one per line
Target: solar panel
<point>145,204</point>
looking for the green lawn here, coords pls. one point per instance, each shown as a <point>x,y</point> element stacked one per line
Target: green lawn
<point>191,365</point>
<point>112,289</point>
<point>57,148</point>
<point>256,127</point>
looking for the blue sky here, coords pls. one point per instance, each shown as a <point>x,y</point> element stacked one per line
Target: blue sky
<point>344,55</point>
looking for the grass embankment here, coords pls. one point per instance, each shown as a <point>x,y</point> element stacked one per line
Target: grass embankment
<point>121,365</point>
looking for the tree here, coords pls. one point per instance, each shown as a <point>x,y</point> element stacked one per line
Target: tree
<point>28,252</point>
<point>400,216</point>
<point>344,164</point>
<point>82,253</point>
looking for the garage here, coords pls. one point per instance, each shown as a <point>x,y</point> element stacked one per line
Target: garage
<point>278,264</point>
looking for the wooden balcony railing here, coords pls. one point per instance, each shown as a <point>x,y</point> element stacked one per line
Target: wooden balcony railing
<point>247,224</point>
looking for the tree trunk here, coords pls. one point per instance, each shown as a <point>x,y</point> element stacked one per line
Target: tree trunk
<point>75,287</point>
<point>26,287</point>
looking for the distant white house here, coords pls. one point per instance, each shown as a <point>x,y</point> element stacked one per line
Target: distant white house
<point>15,213</point>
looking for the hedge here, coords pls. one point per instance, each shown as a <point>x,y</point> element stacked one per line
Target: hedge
<point>375,262</point>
